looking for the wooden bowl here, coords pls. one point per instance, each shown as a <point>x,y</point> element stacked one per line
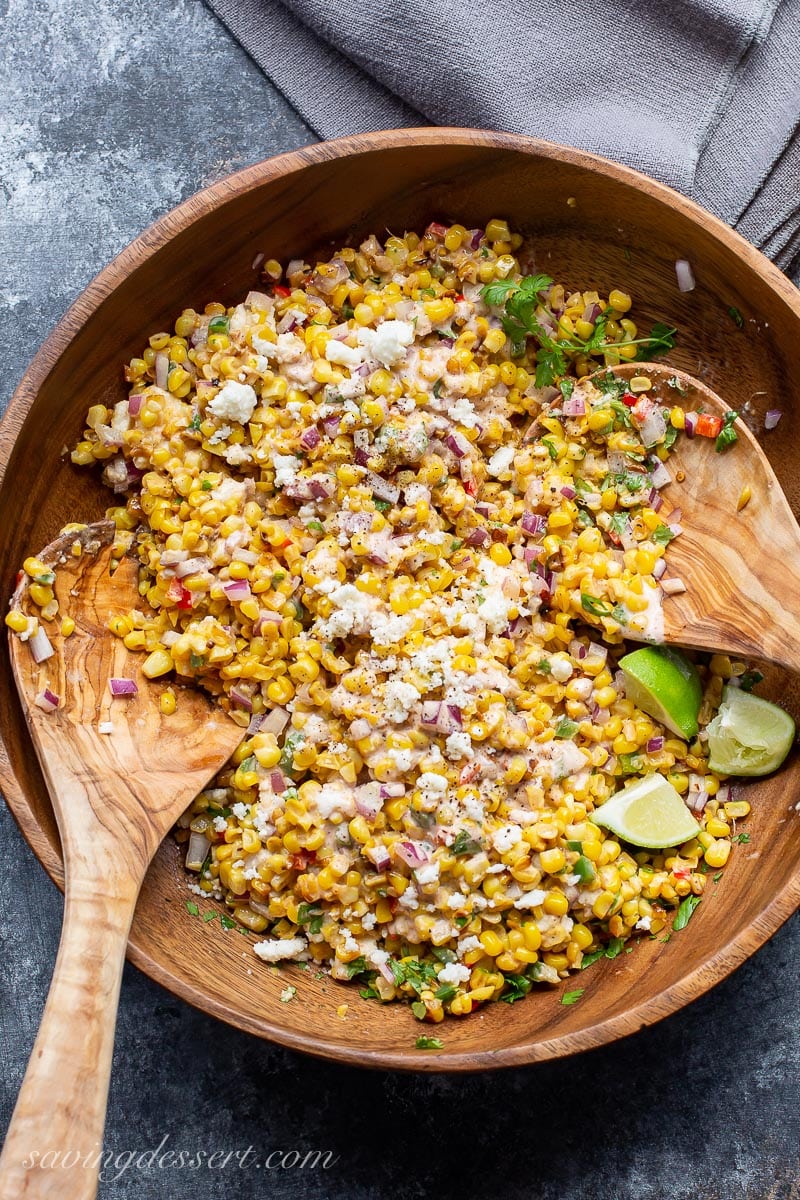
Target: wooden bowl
<point>594,224</point>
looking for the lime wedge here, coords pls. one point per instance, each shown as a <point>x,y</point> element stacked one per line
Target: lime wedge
<point>648,813</point>
<point>749,735</point>
<point>664,684</point>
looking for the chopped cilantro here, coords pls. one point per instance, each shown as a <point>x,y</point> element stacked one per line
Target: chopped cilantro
<point>419,1010</point>
<point>277,578</point>
<point>518,986</point>
<point>192,908</point>
<point>543,666</point>
<point>429,1043</point>
<point>196,661</point>
<point>464,844</point>
<point>630,763</point>
<point>717,877</point>
<point>572,997</point>
<point>741,838</point>
<point>443,954</point>
<point>614,947</point>
<point>621,412</point>
<point>306,913</point>
<point>211,915</point>
<point>347,311</point>
<point>206,485</point>
<point>670,437</point>
<point>417,974</point>
<point>368,993</point>
<point>194,424</point>
<point>685,910</point>
<point>381,505</point>
<point>218,324</point>
<point>317,526</point>
<point>593,957</point>
<point>662,535</point>
<point>461,921</point>
<point>288,993</point>
<point>437,388</point>
<point>567,388</point>
<point>736,316</point>
<point>227,922</point>
<point>749,680</point>
<point>445,992</point>
<point>356,967</point>
<point>551,448</point>
<point>661,339</point>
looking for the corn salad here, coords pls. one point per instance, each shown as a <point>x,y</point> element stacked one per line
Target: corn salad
<point>407,572</point>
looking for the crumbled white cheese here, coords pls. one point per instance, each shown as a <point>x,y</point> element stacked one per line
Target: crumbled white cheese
<point>530,899</point>
<point>463,413</point>
<point>240,811</point>
<point>234,402</point>
<point>220,824</point>
<point>236,455</point>
<point>289,348</point>
<point>350,945</point>
<point>105,727</point>
<point>346,356</point>
<point>506,837</point>
<point>369,920</point>
<point>398,698</point>
<point>427,873</point>
<point>468,943</point>
<point>432,783</point>
<point>335,797</point>
<point>414,492</point>
<point>560,668</point>
<point>387,628</point>
<point>643,923</point>
<point>494,611</point>
<point>276,949</point>
<point>402,759</point>
<point>458,745</point>
<point>286,467</point>
<point>388,342</point>
<point>220,434</point>
<point>454,973</point>
<point>409,898</point>
<point>229,489</point>
<point>354,609</point>
<point>263,345</point>
<point>500,462</point>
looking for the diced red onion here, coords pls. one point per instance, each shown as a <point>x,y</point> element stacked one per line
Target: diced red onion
<point>596,654</point>
<point>568,492</point>
<point>331,426</point>
<point>454,713</point>
<point>191,566</point>
<point>659,568</point>
<point>446,341</point>
<point>360,457</point>
<point>275,721</point>
<point>659,475</point>
<point>675,528</point>
<point>533,523</point>
<point>264,618</point>
<point>689,423</point>
<point>379,856</point>
<point>277,781</point>
<point>237,589</point>
<point>246,556</point>
<point>575,406</point>
<point>412,853</point>
<point>321,487</point>
<point>655,744</point>
<point>41,647</point>
<point>591,312</point>
<point>310,438</point>
<point>477,537</point>
<point>655,499</point>
<point>771,419</point>
<point>135,404</point>
<point>685,275</point>
<point>430,713</point>
<point>391,791</point>
<point>241,699</point>
<point>673,587</point>
<point>123,687</point>
<point>482,510</point>
<point>162,369</point>
<point>475,238</point>
<point>381,487</point>
<point>256,721</point>
<point>46,700</point>
<point>258,300</point>
<point>458,444</point>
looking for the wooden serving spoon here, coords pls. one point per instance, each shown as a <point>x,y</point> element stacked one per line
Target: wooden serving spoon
<point>740,565</point>
<point>115,796</point>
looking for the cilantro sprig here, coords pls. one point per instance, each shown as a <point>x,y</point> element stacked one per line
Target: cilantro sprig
<point>521,300</point>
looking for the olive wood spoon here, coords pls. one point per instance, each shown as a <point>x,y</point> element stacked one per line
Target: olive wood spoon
<point>115,796</point>
<point>741,566</point>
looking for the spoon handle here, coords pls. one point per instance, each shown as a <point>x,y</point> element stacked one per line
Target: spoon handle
<point>54,1142</point>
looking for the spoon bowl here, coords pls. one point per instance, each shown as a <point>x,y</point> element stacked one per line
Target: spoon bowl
<point>119,773</point>
<point>738,553</point>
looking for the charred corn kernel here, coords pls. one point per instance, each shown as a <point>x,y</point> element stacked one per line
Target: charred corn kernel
<point>736,809</point>
<point>157,663</point>
<point>17,621</point>
<point>717,853</point>
<point>167,702</point>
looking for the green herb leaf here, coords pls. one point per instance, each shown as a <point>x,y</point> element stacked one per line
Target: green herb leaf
<point>357,967</point>
<point>685,910</point>
<point>727,435</point>
<point>218,325</point>
<point>445,992</point>
<point>717,877</point>
<point>661,339</point>
<point>741,838</point>
<point>227,922</point>
<point>206,485</point>
<point>736,316</point>
<point>288,993</point>
<point>572,997</point>
<point>461,921</point>
<point>419,1010</point>
<point>749,680</point>
<point>317,526</point>
<point>662,535</point>
<point>369,993</point>
<point>306,913</point>
<point>381,505</point>
<point>583,868</point>
<point>211,915</point>
<point>567,387</point>
<point>437,388</point>
<point>429,1043</point>
<point>517,987</point>
<point>566,728</point>
<point>593,957</point>
<point>550,444</point>
<point>464,844</point>
<point>614,947</point>
<point>192,908</point>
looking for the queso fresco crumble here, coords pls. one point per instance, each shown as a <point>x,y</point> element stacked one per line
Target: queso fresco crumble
<point>402,543</point>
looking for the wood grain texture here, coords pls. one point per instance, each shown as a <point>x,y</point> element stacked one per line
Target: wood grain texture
<point>592,224</point>
<point>115,797</point>
<point>741,567</point>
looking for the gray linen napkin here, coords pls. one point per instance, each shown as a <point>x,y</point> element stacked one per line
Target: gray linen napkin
<point>701,94</point>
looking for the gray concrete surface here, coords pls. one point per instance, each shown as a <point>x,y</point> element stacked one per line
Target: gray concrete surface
<point>111,114</point>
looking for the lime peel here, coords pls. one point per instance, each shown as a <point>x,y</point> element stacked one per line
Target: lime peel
<point>749,735</point>
<point>663,683</point>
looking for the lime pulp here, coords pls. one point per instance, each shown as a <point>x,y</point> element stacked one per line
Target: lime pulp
<point>749,735</point>
<point>648,813</point>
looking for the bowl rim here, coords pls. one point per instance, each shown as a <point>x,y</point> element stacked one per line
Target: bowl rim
<point>727,957</point>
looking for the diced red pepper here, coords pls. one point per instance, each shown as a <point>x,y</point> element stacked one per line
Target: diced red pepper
<point>436,229</point>
<point>469,773</point>
<point>470,487</point>
<point>178,594</point>
<point>708,426</point>
<point>642,409</point>
<point>629,399</point>
<point>280,290</point>
<point>300,861</point>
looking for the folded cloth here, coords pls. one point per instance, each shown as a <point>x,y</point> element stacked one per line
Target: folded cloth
<point>701,94</point>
